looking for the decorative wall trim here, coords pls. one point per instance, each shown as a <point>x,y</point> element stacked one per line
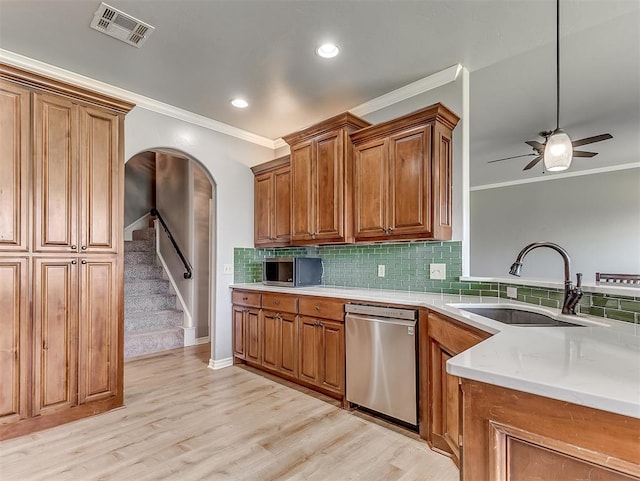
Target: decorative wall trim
<point>140,223</point>
<point>220,363</point>
<point>578,173</point>
<point>148,103</point>
<point>188,320</point>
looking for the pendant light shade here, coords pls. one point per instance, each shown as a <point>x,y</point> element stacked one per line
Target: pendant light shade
<point>558,151</point>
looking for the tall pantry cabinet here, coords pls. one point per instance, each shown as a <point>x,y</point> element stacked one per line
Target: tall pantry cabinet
<point>61,252</point>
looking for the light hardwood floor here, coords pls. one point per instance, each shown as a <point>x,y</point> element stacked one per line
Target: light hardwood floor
<point>184,422</point>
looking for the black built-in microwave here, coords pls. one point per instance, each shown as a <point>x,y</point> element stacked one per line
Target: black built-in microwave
<point>292,271</point>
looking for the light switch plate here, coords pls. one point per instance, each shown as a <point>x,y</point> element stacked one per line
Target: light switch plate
<point>438,271</point>
<point>381,270</point>
<point>227,269</point>
<point>512,292</point>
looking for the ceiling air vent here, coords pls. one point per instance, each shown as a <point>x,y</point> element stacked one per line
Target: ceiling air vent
<point>119,25</point>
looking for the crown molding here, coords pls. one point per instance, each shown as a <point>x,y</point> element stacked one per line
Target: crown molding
<point>431,82</point>
<point>58,73</point>
<point>599,170</point>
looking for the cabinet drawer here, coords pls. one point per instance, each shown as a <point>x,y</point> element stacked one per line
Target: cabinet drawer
<point>279,302</point>
<point>245,298</point>
<point>325,308</point>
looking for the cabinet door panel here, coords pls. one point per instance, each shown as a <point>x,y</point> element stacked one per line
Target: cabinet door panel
<point>410,181</point>
<point>99,173</point>
<point>56,193</point>
<point>442,183</point>
<point>55,317</point>
<point>253,335</point>
<point>238,331</point>
<point>14,164</point>
<point>371,187</point>
<point>289,345</point>
<point>98,330</point>
<point>263,203</point>
<point>270,342</point>
<point>332,356</point>
<point>310,342</point>
<point>328,190</point>
<point>301,191</point>
<point>282,206</point>
<point>14,362</point>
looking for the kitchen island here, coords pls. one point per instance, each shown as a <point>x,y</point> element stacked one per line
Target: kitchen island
<point>584,378</point>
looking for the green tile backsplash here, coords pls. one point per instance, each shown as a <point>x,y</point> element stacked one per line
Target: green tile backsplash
<point>407,269</point>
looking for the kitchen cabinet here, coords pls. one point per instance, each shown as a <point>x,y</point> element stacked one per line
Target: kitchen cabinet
<point>247,326</point>
<point>280,334</point>
<point>510,434</point>
<point>402,177</point>
<point>321,176</point>
<point>61,252</point>
<point>272,203</point>
<point>445,338</point>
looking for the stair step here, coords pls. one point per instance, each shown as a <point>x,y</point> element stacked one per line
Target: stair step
<point>139,246</point>
<point>144,234</point>
<point>143,271</point>
<point>145,286</point>
<point>149,302</point>
<point>153,320</point>
<point>150,342</point>
<point>139,257</point>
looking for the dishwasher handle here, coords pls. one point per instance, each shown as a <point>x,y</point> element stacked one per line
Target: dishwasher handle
<point>380,320</point>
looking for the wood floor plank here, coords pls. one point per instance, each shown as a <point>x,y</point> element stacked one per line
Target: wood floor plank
<point>185,422</point>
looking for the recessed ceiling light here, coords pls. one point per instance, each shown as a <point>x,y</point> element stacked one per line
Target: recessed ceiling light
<point>328,50</point>
<point>240,103</point>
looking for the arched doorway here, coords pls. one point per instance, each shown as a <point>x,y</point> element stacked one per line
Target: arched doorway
<point>183,192</point>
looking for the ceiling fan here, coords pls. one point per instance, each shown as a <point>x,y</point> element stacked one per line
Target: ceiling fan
<point>557,150</point>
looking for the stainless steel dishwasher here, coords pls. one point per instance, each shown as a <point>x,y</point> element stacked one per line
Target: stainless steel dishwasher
<point>381,360</point>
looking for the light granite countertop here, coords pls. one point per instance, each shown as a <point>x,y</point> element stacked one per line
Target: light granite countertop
<point>597,365</point>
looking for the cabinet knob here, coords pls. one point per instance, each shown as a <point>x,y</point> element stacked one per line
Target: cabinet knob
<point>84,248</point>
<point>245,298</point>
<point>318,308</point>
<point>276,302</point>
<point>74,262</point>
<point>83,261</point>
<point>74,247</point>
<point>390,229</point>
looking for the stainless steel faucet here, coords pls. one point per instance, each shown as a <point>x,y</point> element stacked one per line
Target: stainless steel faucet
<point>571,295</point>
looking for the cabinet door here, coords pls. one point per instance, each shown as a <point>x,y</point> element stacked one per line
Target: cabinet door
<point>101,206</point>
<point>410,183</point>
<point>263,205</point>
<point>253,335</point>
<point>15,136</point>
<point>14,362</point>
<point>328,190</point>
<point>270,340</point>
<point>371,183</point>
<point>238,332</point>
<point>288,360</point>
<point>332,356</point>
<point>310,345</point>
<point>302,195</point>
<point>56,174</point>
<point>99,327</point>
<point>55,334</point>
<point>282,206</point>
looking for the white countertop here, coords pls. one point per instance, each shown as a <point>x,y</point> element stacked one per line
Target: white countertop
<point>597,365</point>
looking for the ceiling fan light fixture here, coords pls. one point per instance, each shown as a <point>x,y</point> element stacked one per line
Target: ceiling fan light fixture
<point>558,151</point>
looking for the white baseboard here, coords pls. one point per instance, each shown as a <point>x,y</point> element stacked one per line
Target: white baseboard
<point>141,223</point>
<point>202,340</point>
<point>220,363</point>
<point>189,336</point>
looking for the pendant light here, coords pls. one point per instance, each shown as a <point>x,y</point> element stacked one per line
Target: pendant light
<point>558,150</point>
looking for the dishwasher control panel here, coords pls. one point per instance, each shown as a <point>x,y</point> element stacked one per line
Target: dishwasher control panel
<point>380,311</point>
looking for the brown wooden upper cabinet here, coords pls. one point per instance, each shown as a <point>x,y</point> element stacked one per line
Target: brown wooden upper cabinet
<point>402,177</point>
<point>321,173</point>
<point>272,203</point>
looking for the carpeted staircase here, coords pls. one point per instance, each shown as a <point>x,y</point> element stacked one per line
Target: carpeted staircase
<point>151,321</point>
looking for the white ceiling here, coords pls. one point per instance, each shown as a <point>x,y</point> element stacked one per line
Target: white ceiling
<point>203,53</point>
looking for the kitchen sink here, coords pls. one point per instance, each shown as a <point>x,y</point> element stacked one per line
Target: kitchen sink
<point>517,317</point>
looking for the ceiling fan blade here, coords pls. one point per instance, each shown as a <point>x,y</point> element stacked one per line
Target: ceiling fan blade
<point>533,162</point>
<point>591,140</point>
<point>535,144</point>
<point>579,153</point>
<point>509,158</point>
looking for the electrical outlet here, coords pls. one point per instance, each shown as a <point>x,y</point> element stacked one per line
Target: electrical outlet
<point>227,269</point>
<point>438,271</point>
<point>381,270</point>
<point>512,292</point>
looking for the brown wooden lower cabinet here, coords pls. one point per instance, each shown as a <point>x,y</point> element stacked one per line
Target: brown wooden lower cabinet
<point>516,436</point>
<point>322,353</point>
<point>280,342</point>
<point>445,339</point>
